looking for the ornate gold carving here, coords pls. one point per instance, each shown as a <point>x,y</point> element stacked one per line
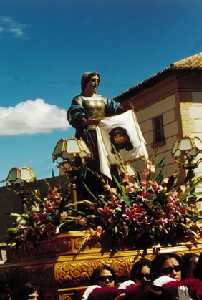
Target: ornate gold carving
<point>60,264</point>
<point>77,272</point>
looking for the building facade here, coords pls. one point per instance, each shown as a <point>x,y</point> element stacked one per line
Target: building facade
<point>168,107</point>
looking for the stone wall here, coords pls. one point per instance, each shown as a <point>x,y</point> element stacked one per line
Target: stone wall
<point>167,108</point>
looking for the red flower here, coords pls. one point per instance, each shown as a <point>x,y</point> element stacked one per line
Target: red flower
<point>143,182</point>
<point>106,212</point>
<point>136,212</point>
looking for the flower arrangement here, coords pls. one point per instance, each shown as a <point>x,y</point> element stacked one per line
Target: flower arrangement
<point>146,209</point>
<point>42,217</point>
<point>142,210</point>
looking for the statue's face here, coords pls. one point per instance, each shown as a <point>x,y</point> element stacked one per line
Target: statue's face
<point>93,83</point>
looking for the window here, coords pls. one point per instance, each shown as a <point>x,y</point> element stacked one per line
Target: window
<point>158,131</point>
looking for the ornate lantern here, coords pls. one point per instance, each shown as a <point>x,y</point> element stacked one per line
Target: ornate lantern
<point>70,154</point>
<point>20,176</point>
<point>186,152</point>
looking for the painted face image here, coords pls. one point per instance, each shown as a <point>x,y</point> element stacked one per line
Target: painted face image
<point>106,279</point>
<point>172,268</point>
<point>119,139</point>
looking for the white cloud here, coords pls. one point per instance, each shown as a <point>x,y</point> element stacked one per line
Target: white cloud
<point>11,27</point>
<point>30,117</point>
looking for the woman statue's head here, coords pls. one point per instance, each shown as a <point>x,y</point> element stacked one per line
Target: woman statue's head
<point>90,78</point>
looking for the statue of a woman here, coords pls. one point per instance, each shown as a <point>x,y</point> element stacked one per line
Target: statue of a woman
<point>88,108</point>
<point>84,114</point>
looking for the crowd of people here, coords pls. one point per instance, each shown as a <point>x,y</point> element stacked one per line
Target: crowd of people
<point>168,276</point>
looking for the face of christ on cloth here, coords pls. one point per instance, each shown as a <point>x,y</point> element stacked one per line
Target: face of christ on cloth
<point>119,139</point>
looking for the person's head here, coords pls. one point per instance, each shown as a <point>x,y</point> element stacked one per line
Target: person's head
<point>90,80</point>
<point>104,276</point>
<point>140,271</point>
<point>169,264</point>
<point>29,292</point>
<point>189,262</point>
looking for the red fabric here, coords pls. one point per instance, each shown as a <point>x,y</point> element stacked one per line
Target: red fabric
<point>194,286</point>
<point>135,292</point>
<point>132,292</point>
<point>106,293</point>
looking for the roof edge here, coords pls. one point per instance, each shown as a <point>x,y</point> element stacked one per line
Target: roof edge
<point>172,69</point>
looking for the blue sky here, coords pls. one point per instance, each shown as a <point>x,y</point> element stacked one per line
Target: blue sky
<point>45,46</point>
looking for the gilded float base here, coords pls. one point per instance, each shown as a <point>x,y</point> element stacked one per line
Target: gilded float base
<point>57,266</point>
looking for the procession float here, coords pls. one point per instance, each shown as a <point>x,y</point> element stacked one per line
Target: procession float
<point>108,210</point>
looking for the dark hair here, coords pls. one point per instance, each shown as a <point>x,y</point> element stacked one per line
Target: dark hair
<point>96,273</point>
<point>28,289</point>
<point>122,131</point>
<point>86,77</point>
<point>189,263</point>
<point>158,262</point>
<point>136,270</point>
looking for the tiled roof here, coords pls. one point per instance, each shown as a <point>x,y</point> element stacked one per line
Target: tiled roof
<point>191,62</point>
